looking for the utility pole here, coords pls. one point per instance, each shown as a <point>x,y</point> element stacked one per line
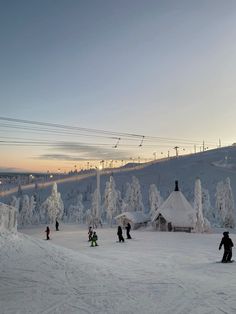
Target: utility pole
<point>176,151</point>
<point>219,143</point>
<point>168,154</point>
<point>203,146</point>
<point>195,148</point>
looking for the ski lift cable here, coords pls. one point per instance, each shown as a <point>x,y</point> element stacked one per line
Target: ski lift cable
<point>95,132</point>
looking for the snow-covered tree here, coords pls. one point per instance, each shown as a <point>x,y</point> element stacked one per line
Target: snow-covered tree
<point>225,204</point>
<point>111,200</point>
<point>136,202</point>
<point>15,202</point>
<point>89,217</point>
<point>26,214</point>
<point>207,209</point>
<point>127,198</point>
<point>198,206</point>
<point>229,206</point>
<point>133,197</point>
<point>155,199</point>
<point>35,214</point>
<point>53,207</point>
<point>220,203</point>
<point>76,211</point>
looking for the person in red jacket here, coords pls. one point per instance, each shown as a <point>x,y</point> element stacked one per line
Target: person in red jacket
<point>228,244</point>
<point>47,233</point>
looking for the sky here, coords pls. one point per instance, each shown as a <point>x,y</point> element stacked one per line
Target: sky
<point>159,68</point>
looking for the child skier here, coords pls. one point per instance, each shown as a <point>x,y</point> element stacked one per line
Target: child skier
<point>47,233</point>
<point>228,244</point>
<point>94,239</point>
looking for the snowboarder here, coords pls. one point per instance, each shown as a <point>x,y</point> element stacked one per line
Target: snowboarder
<point>228,244</point>
<point>94,239</point>
<point>57,225</point>
<point>90,234</point>
<point>128,228</point>
<point>119,233</point>
<point>47,233</point>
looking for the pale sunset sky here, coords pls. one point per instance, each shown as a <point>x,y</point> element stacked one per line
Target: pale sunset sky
<point>157,68</point>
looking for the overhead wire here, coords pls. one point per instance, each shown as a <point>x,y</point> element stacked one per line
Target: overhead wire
<point>58,129</point>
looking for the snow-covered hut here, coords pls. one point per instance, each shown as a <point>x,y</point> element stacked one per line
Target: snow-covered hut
<point>175,214</point>
<point>8,222</point>
<point>136,219</point>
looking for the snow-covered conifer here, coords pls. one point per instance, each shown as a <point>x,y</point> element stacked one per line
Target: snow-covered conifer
<point>155,199</point>
<point>136,203</point>
<point>89,217</point>
<point>25,215</point>
<point>111,200</point>
<point>207,209</point>
<point>229,206</point>
<point>198,206</point>
<point>220,204</point>
<point>15,202</point>
<point>126,201</point>
<point>76,211</point>
<point>53,207</point>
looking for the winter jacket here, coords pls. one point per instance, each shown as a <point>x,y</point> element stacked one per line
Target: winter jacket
<point>94,237</point>
<point>119,231</point>
<point>227,242</point>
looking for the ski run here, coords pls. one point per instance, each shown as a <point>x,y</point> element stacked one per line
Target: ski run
<point>155,272</point>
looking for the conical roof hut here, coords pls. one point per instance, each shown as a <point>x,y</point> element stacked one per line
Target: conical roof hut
<point>176,213</point>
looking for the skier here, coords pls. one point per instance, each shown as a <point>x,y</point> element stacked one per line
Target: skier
<point>119,233</point>
<point>47,233</point>
<point>57,225</point>
<point>94,239</point>
<point>128,228</point>
<point>228,244</point>
<point>90,233</point>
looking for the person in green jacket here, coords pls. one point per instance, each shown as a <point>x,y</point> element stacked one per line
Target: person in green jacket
<point>94,239</point>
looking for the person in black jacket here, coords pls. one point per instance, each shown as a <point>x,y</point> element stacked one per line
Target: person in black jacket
<point>47,233</point>
<point>119,233</point>
<point>57,225</point>
<point>128,228</point>
<point>228,244</point>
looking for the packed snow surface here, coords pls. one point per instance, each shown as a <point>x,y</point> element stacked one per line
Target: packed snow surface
<point>155,272</point>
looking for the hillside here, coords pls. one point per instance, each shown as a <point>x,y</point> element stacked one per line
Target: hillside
<point>210,166</point>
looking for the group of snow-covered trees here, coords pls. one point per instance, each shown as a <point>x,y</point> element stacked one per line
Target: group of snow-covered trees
<point>31,210</point>
<point>223,215</point>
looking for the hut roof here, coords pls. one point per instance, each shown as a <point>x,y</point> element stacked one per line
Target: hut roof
<point>177,210</point>
<point>135,217</point>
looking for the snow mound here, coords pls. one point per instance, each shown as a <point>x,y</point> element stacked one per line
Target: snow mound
<point>8,221</point>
